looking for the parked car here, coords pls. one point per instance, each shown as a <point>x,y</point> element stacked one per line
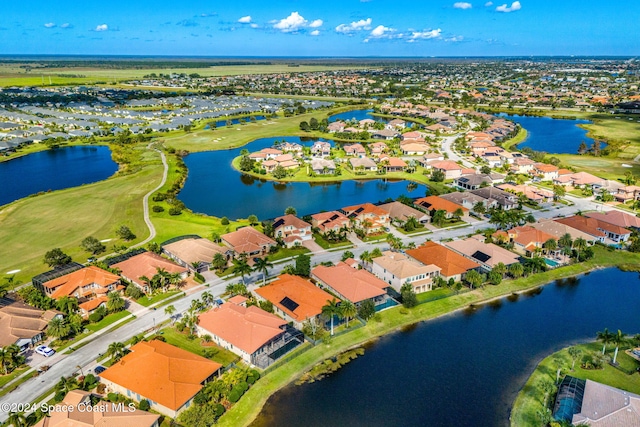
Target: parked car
<point>45,351</point>
<point>99,369</point>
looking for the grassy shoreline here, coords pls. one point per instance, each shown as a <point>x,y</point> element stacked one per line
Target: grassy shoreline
<point>248,408</point>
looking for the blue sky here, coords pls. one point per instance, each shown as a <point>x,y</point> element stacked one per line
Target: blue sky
<point>322,27</point>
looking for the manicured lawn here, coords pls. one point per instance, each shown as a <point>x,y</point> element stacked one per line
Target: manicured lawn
<point>173,337</point>
<point>146,301</point>
<point>287,253</point>
<point>108,320</point>
<point>520,136</point>
<point>329,245</point>
<point>61,219</point>
<point>4,379</point>
<point>392,319</point>
<point>530,400</point>
<point>435,294</point>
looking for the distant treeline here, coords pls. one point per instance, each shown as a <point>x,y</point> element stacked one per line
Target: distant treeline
<point>129,64</point>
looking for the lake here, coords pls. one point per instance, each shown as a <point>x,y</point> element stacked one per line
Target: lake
<point>213,187</point>
<point>54,169</point>
<point>355,115</point>
<point>557,136</point>
<point>464,369</point>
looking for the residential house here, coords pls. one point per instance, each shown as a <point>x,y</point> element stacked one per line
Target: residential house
<point>487,255</point>
<point>535,194</point>
<point>327,221</point>
<point>355,150</point>
<point>400,213</point>
<point>597,228</point>
<point>395,165</point>
<point>23,325</point>
<point>506,201</point>
<point>386,134</point>
<point>271,153</point>
<point>295,299</point>
<point>477,180</point>
<point>292,230</point>
<point>450,169</point>
<point>257,336</point>
<point>195,254</point>
<point>335,127</point>
<point>522,165</point>
<point>527,240</point>
<point>323,166</point>
<point>368,216</point>
<point>249,241</point>
<point>84,284</point>
<point>629,192</point>
<point>468,200</point>
<point>429,158</point>
<point>396,269</point>
<point>377,147</point>
<point>166,376</point>
<point>147,264</point>
<point>618,218</point>
<point>437,203</point>
<point>73,411</point>
<point>363,163</point>
<point>579,179</point>
<point>557,230</point>
<point>321,149</point>
<point>452,265</point>
<point>352,284</point>
<point>545,172</point>
<point>414,149</point>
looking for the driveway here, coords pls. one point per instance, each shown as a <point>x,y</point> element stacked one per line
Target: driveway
<point>312,246</point>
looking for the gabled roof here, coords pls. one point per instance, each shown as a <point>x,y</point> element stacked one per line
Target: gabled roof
<point>486,253</point>
<point>194,250</point>
<point>289,220</point>
<point>618,218</point>
<point>593,225</point>
<point>247,239</point>
<point>401,212</point>
<point>162,373</point>
<point>402,266</point>
<point>146,264</point>
<point>247,328</point>
<point>438,203</point>
<point>353,284</point>
<point>450,262</point>
<point>308,299</point>
<point>18,320</point>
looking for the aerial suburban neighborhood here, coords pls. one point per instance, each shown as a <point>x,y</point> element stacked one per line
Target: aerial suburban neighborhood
<point>192,237</point>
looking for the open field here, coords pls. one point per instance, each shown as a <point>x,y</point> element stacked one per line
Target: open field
<point>243,412</point>
<point>13,75</point>
<point>32,226</point>
<point>530,400</point>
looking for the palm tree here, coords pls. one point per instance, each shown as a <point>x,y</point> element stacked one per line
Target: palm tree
<point>147,282</point>
<point>16,419</point>
<point>606,337</point>
<point>5,359</point>
<point>574,352</point>
<point>438,217</point>
<point>516,270</point>
<point>58,328</point>
<point>500,268</point>
<point>565,241</point>
<point>163,278</point>
<point>242,267</point>
<point>66,384</point>
<point>219,261</point>
<point>170,310</point>
<point>473,278</point>
<point>617,338</point>
<point>115,302</point>
<point>579,244</point>
<point>348,310</point>
<point>208,298</point>
<point>366,257</point>
<point>550,245</point>
<point>67,305</point>
<point>116,350</point>
<point>263,265</point>
<point>330,309</point>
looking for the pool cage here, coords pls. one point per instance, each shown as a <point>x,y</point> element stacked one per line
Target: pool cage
<point>569,399</point>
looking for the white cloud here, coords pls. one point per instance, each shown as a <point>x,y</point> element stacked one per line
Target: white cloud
<point>514,6</point>
<point>65,25</point>
<point>381,31</point>
<point>254,25</point>
<point>315,33</point>
<point>363,24</point>
<point>315,24</point>
<point>488,4</point>
<point>425,35</point>
<point>462,5</point>
<point>49,25</point>
<point>102,27</point>
<point>291,23</point>
<point>245,19</point>
<point>455,39</point>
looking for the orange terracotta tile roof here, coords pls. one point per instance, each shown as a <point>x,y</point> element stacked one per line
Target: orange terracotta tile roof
<point>93,303</point>
<point>65,285</point>
<point>146,264</point>
<point>593,225</point>
<point>162,373</point>
<point>618,218</point>
<point>247,239</point>
<point>528,235</point>
<point>353,284</point>
<point>446,165</point>
<point>309,298</point>
<point>366,209</point>
<point>450,262</point>
<point>246,328</point>
<point>438,203</point>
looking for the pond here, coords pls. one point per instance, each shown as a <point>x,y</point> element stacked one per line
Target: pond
<point>558,136</point>
<point>355,115</point>
<point>213,187</point>
<point>464,369</point>
<point>54,169</point>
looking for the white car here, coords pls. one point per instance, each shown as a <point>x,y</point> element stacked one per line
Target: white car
<point>45,351</point>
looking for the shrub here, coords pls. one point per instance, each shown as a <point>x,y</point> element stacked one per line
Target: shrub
<point>89,382</point>
<point>224,220</point>
<point>157,208</point>
<point>144,405</point>
<point>95,317</point>
<point>175,211</point>
<point>101,388</point>
<point>132,291</point>
<point>243,386</point>
<point>218,410</point>
<point>199,278</point>
<point>59,396</point>
<point>160,338</point>
<point>235,395</point>
<point>159,197</point>
<point>112,397</point>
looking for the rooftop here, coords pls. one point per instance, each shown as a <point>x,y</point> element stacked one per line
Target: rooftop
<point>450,262</point>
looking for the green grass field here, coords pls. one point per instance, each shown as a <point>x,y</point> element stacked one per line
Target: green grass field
<point>530,400</point>
<point>173,337</point>
<point>32,226</point>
